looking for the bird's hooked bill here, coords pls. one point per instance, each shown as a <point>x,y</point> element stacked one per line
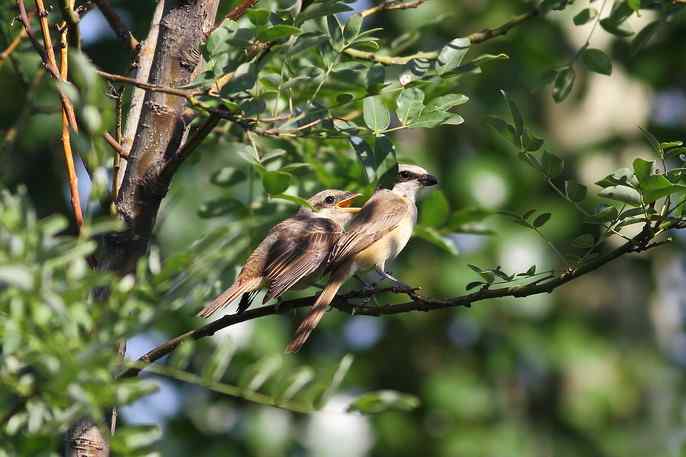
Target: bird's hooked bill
<point>428,180</point>
<point>346,203</point>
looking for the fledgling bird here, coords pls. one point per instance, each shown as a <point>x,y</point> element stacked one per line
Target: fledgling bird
<point>374,236</point>
<point>294,252</point>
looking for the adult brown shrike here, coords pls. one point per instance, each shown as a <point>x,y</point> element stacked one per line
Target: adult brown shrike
<point>294,252</point>
<point>375,235</point>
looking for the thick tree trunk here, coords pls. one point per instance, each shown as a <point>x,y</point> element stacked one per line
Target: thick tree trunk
<point>160,132</point>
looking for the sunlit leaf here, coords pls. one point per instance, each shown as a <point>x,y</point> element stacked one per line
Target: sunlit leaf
<point>383,400</point>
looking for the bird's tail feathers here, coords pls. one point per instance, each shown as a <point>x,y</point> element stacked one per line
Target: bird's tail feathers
<point>317,312</point>
<point>229,295</point>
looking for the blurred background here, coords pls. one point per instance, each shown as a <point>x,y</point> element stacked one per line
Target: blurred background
<point>595,368</point>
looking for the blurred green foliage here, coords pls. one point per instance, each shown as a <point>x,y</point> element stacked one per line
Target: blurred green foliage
<point>595,368</point>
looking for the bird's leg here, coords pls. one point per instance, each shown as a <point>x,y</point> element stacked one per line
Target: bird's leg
<point>396,282</point>
<point>367,287</point>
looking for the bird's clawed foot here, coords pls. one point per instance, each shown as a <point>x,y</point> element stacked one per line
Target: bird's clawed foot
<point>398,285</point>
<point>366,286</point>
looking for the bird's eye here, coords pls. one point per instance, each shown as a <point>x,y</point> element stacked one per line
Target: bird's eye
<point>330,200</point>
<point>405,174</point>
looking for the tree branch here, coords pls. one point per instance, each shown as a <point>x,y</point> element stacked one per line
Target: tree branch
<point>474,38</point>
<point>390,5</point>
<point>487,34</point>
<point>346,303</point>
<point>75,198</point>
<point>13,45</point>
<point>239,10</point>
<point>47,54</point>
<point>187,94</point>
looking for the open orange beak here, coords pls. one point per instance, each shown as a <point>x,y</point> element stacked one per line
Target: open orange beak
<point>346,203</point>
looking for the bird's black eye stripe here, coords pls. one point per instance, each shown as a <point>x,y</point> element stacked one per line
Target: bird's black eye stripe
<point>405,174</point>
<point>330,199</point>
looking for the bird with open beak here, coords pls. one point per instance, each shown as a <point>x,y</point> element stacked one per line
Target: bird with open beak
<point>374,236</point>
<point>294,252</point>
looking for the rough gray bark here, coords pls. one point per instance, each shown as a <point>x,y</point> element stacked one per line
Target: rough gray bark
<point>152,161</point>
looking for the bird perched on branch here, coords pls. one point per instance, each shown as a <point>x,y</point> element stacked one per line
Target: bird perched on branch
<point>294,252</point>
<point>374,236</point>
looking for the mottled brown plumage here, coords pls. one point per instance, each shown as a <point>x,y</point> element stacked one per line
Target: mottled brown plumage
<point>375,235</point>
<point>294,252</point>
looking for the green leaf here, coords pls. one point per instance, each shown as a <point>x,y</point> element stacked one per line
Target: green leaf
<point>516,114</point>
<point>643,37</point>
<point>410,104</point>
<point>16,276</point>
<point>432,235</point>
<point>260,373</point>
<point>531,142</point>
<point>575,192</point>
<point>597,61</point>
<point>605,214</point>
<point>541,219</point>
<point>474,268</point>
<point>244,79</point>
<point>375,114</point>
<point>623,194</point>
<point>383,400</point>
<point>343,368</point>
<point>616,28</point>
<point>505,129</point>
<point>552,164</point>
<point>564,81</point>
<point>221,207</point>
<point>435,210</point>
<point>585,15</point>
<point>276,182</point>
<point>258,16</point>
<point>670,144</point>
<point>215,368</point>
<point>634,4</point>
<point>293,199</point>
<point>620,177</point>
<point>654,143</point>
<point>446,102</point>
<point>653,186</point>
<point>295,384</point>
<point>277,32</point>
<point>467,216</point>
<point>218,41</point>
<point>643,169</point>
<point>227,177</point>
<point>584,241</point>
<point>452,54</point>
<point>352,27</point>
<point>335,31</point>
<point>321,9</point>
<point>432,119</point>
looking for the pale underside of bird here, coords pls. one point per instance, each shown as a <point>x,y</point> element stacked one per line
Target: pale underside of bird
<point>294,252</point>
<point>375,236</point>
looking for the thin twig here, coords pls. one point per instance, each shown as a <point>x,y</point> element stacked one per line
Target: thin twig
<point>118,25</point>
<point>390,5</point>
<point>487,34</point>
<point>239,10</point>
<point>188,95</point>
<point>115,145</point>
<point>474,38</point>
<point>66,139</point>
<point>46,53</point>
<point>345,303</point>
<point>72,22</point>
<point>13,46</point>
